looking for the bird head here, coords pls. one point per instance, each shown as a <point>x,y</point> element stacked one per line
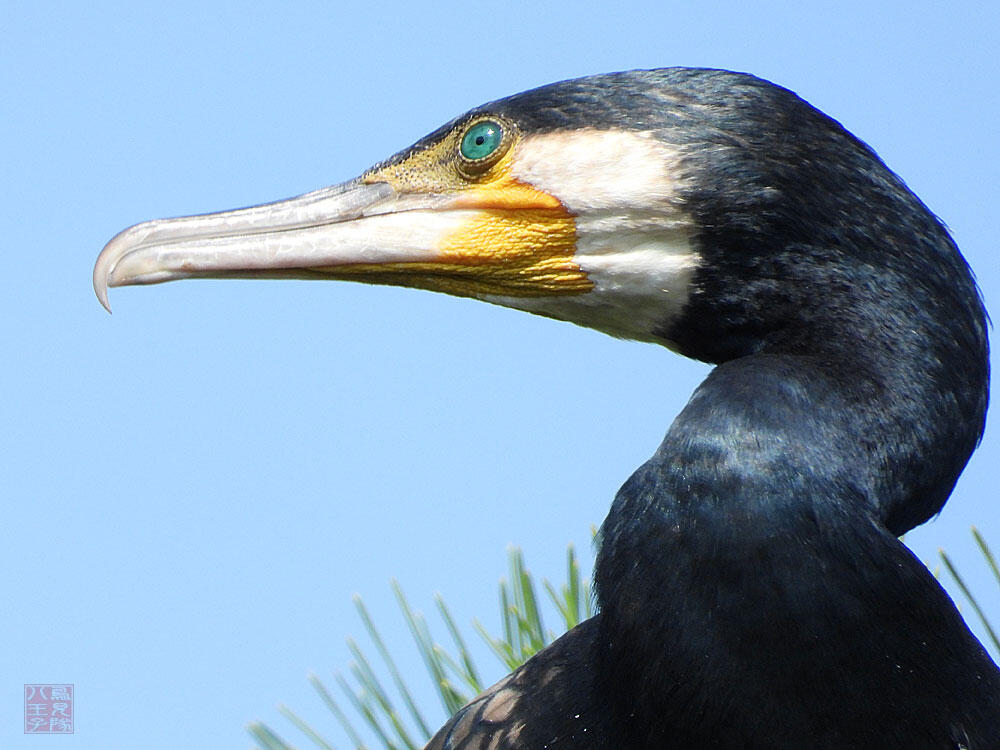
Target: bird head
<point>543,202</point>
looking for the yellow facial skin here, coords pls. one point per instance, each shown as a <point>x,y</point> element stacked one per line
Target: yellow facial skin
<point>519,241</point>
<point>431,218</point>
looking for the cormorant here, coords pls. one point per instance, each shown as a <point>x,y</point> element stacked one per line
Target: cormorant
<point>752,589</point>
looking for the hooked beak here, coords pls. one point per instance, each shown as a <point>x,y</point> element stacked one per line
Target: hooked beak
<point>354,224</point>
<point>493,239</point>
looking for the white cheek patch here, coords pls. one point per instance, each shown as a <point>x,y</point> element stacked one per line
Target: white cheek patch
<point>633,240</point>
<point>598,169</point>
<point>639,288</point>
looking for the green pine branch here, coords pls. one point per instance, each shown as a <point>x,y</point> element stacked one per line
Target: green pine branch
<point>364,700</point>
<point>391,714</point>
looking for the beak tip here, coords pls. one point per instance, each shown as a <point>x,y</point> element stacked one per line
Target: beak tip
<point>101,283</point>
<point>107,261</point>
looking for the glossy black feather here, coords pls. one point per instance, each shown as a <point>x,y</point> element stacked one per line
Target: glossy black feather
<point>752,590</point>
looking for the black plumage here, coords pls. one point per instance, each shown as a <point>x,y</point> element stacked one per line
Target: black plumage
<point>752,590</point>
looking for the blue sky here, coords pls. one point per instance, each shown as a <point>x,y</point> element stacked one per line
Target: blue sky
<point>195,486</point>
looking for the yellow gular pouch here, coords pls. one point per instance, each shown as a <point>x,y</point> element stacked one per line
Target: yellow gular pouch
<point>517,241</point>
<point>517,253</point>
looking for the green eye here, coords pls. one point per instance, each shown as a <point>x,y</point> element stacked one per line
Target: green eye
<point>481,140</point>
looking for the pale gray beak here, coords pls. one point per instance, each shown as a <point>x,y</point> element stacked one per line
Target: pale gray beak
<point>354,223</point>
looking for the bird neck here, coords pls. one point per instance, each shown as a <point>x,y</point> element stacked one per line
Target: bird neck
<point>752,550</point>
<point>898,362</point>
<point>843,266</point>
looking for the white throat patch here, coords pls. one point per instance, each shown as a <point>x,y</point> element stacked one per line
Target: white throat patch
<point>633,239</point>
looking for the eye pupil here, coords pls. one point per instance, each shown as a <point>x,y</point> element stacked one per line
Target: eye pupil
<point>481,140</point>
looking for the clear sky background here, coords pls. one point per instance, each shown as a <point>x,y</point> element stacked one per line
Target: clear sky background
<point>194,487</point>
